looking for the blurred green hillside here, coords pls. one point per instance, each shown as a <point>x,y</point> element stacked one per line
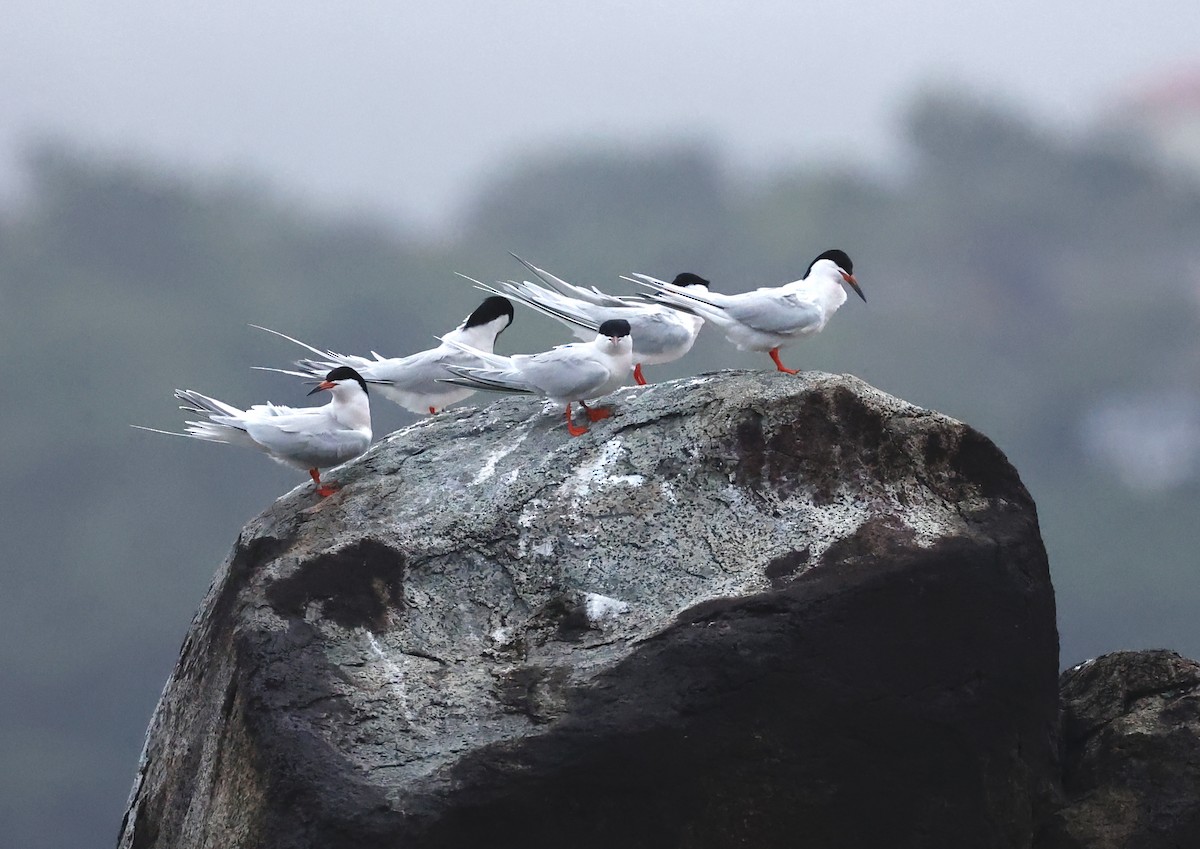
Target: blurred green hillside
<point>1045,290</point>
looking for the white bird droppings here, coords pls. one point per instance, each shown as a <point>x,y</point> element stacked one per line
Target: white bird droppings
<point>594,474</point>
<point>489,465</point>
<point>394,676</point>
<point>600,607</point>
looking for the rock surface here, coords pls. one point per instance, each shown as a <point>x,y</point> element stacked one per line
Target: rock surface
<point>1131,741</point>
<point>748,610</point>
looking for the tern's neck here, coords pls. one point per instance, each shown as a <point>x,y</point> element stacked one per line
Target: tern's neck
<point>351,409</point>
<point>825,289</point>
<point>481,336</point>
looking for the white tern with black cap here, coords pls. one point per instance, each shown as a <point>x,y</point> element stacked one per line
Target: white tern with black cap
<point>413,381</point>
<point>564,374</point>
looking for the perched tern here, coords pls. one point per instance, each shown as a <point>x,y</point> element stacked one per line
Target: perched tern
<point>311,438</point>
<point>769,318</point>
<point>413,381</point>
<point>660,334</point>
<point>564,374</point>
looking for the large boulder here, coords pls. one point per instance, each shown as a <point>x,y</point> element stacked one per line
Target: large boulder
<point>750,609</point>
<point>1131,744</point>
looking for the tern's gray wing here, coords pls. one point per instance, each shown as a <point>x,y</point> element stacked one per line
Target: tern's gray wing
<point>657,331</point>
<point>307,439</point>
<point>416,372</point>
<point>591,295</point>
<point>491,380</point>
<point>784,313</point>
<point>569,371</point>
<point>328,360</point>
<point>601,299</point>
<point>577,314</point>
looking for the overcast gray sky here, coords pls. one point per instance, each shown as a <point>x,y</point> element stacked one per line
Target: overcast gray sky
<point>402,105</point>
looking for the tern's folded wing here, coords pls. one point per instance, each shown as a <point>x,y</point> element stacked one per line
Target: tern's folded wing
<point>567,372</point>
<point>311,440</point>
<point>786,313</point>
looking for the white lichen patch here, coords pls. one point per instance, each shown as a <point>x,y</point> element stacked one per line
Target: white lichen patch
<point>757,528</point>
<point>928,526</point>
<point>489,464</point>
<point>733,495</point>
<point>832,522</point>
<point>600,607</point>
<point>393,676</point>
<point>501,636</point>
<point>594,475</point>
<point>930,519</point>
<point>529,512</point>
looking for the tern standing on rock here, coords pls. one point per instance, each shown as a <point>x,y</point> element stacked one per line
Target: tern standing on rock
<point>311,438</point>
<point>769,318</point>
<point>564,374</point>
<point>660,334</point>
<point>413,381</point>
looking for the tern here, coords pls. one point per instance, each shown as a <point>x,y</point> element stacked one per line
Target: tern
<point>660,333</point>
<point>311,438</point>
<point>564,374</point>
<point>413,381</point>
<point>769,318</point>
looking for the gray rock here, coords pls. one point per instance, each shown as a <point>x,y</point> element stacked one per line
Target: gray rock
<point>1131,740</point>
<point>748,610</point>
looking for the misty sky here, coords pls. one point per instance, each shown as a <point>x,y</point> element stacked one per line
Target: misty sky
<point>402,106</point>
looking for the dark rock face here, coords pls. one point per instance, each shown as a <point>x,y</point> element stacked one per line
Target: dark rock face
<point>749,610</point>
<point>1131,738</point>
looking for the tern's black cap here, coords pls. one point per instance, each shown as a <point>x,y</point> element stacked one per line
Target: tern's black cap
<point>689,279</point>
<point>840,258</point>
<point>347,373</point>
<point>491,309</point>
<point>615,327</point>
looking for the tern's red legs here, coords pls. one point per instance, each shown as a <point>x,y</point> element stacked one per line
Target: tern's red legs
<point>779,363</point>
<point>571,429</point>
<point>323,490</point>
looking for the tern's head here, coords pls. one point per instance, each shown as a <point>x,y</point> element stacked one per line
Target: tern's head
<point>616,331</point>
<point>687,280</point>
<point>494,311</point>
<point>838,262</point>
<point>343,382</point>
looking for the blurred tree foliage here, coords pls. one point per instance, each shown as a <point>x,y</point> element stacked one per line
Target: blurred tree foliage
<point>1015,279</point>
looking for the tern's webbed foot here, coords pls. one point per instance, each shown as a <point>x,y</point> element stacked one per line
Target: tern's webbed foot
<point>322,489</point>
<point>571,428</point>
<point>596,414</point>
